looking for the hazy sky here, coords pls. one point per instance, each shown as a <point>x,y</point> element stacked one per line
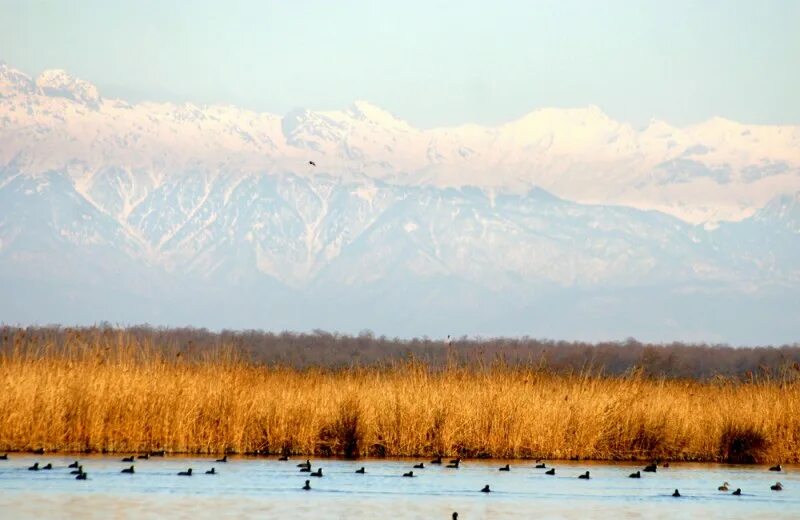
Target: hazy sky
<point>429,62</point>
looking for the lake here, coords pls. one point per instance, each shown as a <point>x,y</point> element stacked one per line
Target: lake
<point>268,488</point>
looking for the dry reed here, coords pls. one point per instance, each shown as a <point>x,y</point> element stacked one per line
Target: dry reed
<point>115,395</point>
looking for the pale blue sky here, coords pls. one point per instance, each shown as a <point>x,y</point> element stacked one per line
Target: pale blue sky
<point>429,62</point>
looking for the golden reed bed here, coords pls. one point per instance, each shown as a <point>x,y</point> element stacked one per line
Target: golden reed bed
<point>120,397</point>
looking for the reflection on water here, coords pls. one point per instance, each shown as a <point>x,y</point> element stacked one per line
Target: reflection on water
<point>249,487</point>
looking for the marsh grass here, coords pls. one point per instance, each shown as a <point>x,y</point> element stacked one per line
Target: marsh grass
<point>111,393</point>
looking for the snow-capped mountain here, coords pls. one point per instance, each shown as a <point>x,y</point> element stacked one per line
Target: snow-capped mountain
<point>714,171</point>
<point>213,216</point>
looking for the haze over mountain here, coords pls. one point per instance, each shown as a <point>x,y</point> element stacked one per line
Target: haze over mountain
<point>561,223</point>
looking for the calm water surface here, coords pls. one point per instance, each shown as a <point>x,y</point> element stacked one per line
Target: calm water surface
<point>250,487</point>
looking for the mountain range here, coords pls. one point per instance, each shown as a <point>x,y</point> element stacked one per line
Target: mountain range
<point>563,223</point>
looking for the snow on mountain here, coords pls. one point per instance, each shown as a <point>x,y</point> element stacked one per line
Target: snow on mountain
<point>14,82</point>
<point>57,83</point>
<point>563,222</point>
<point>714,171</point>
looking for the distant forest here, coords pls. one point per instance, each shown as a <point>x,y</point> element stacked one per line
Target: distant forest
<point>325,350</point>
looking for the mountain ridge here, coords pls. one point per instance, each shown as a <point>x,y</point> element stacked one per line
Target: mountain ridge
<point>714,171</point>
<point>562,223</point>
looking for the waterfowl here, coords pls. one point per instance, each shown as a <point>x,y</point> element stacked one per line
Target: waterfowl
<point>317,473</point>
<point>777,487</point>
<point>305,469</point>
<point>77,471</point>
<point>73,465</point>
<point>307,485</point>
<point>4,456</point>
<point>676,493</point>
<point>585,476</point>
<point>81,476</point>
<point>187,473</point>
<point>284,458</point>
<point>223,459</point>
<point>650,468</point>
<point>551,471</point>
<point>737,492</point>
<point>453,465</point>
<point>505,468</point>
<point>212,471</point>
<point>421,465</point>
<point>776,468</point>
<point>128,459</point>
<point>128,470</point>
<point>158,453</point>
<point>409,474</point>
<point>312,163</point>
<point>48,466</point>
<point>437,460</point>
<point>455,461</point>
<point>638,474</point>
<point>486,489</point>
<point>723,487</point>
<point>361,470</point>
<point>35,467</point>
<point>143,457</point>
<point>455,515</point>
<point>304,464</point>
<point>540,466</point>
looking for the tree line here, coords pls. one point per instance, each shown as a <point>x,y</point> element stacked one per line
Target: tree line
<point>327,350</point>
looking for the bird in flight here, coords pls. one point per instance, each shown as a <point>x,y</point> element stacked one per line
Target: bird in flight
<point>312,163</point>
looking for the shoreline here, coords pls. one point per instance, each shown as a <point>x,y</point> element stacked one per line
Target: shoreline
<point>410,458</point>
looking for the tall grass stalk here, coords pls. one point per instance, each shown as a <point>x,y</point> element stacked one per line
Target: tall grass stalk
<point>119,395</point>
